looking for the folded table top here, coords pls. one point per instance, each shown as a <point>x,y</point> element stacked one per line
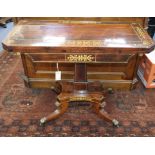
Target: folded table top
<point>45,36</point>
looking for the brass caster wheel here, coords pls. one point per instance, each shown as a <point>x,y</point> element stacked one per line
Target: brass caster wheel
<point>115,123</point>
<point>42,121</point>
<point>110,91</point>
<point>103,104</point>
<point>57,103</point>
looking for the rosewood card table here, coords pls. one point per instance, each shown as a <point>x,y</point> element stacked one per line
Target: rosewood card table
<point>79,60</point>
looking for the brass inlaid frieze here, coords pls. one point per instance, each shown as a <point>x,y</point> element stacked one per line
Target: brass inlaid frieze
<point>80,58</point>
<point>79,98</point>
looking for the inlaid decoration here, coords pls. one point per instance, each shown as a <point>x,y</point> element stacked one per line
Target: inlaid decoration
<point>142,35</point>
<point>80,98</point>
<point>80,58</point>
<point>84,43</point>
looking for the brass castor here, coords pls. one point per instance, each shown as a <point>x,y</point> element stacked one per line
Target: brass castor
<point>42,121</point>
<point>110,91</point>
<point>57,103</point>
<point>115,123</point>
<point>103,104</point>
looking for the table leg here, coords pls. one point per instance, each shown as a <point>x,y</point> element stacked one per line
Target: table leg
<point>99,109</point>
<point>62,107</point>
<point>67,94</point>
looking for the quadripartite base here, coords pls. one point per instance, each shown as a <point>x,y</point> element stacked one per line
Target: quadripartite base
<point>68,94</point>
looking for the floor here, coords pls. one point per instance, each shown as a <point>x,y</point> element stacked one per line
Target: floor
<point>21,109</point>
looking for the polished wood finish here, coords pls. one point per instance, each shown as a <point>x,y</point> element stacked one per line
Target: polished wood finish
<point>114,47</point>
<point>47,36</point>
<point>84,53</point>
<point>140,20</point>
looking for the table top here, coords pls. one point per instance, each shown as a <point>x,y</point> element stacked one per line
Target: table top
<point>43,35</point>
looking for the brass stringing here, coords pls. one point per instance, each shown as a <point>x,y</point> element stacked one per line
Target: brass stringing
<point>84,43</point>
<point>142,35</point>
<point>81,58</point>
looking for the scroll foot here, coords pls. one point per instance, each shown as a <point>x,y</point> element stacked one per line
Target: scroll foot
<point>103,114</point>
<point>115,123</point>
<point>110,91</point>
<point>42,121</point>
<point>61,109</point>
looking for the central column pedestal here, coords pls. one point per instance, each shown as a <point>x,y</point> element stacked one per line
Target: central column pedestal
<point>80,90</point>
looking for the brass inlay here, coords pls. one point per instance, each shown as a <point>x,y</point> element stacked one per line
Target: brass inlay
<point>142,35</point>
<point>76,22</point>
<point>79,98</point>
<point>84,43</point>
<point>80,58</point>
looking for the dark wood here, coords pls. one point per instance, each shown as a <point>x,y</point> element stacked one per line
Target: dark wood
<point>114,46</point>
<point>90,56</point>
<point>69,94</point>
<point>47,37</point>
